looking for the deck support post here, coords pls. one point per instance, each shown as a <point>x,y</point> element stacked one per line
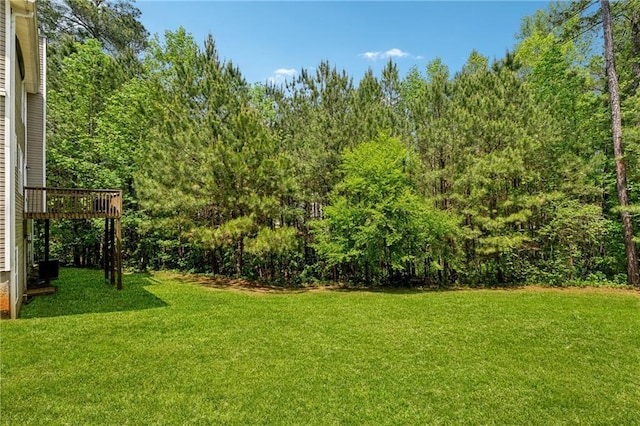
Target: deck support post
<point>119,251</point>
<point>105,250</point>
<point>112,254</point>
<point>46,247</point>
<point>46,240</point>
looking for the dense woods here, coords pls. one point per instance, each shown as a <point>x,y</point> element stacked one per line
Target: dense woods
<point>501,172</point>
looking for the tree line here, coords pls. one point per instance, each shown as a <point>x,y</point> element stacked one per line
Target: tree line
<point>501,172</point>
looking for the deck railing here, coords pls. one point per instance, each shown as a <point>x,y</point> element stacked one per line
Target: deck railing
<point>66,203</point>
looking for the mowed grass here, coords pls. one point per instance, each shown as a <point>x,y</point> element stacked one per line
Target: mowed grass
<point>169,351</point>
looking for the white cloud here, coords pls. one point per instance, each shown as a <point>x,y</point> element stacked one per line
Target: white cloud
<point>371,55</point>
<point>285,72</point>
<point>281,74</point>
<point>391,53</point>
<point>395,53</point>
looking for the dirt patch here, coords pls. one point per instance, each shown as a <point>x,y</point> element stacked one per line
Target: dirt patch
<point>247,285</point>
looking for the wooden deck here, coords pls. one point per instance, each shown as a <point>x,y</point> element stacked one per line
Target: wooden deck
<point>64,203</point>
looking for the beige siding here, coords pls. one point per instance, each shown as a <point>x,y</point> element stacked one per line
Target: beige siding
<point>2,134</point>
<point>20,271</point>
<point>35,130</point>
<point>35,140</point>
<point>2,42</point>
<point>20,237</point>
<point>20,264</point>
<point>19,129</point>
<point>3,202</point>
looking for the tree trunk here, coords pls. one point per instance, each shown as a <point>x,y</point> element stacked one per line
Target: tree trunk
<point>215,267</point>
<point>500,272</point>
<point>239,258</point>
<point>616,129</point>
<point>635,48</point>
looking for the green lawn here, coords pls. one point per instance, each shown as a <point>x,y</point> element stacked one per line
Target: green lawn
<point>164,351</point>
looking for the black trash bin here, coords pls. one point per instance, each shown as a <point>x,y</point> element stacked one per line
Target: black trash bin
<point>48,269</point>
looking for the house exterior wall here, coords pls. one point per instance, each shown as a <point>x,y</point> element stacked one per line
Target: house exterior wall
<point>19,260</point>
<point>15,78</point>
<point>36,142</point>
<point>5,304</point>
<point>36,112</point>
<point>3,95</point>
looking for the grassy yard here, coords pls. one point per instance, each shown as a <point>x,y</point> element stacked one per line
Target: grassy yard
<point>166,351</point>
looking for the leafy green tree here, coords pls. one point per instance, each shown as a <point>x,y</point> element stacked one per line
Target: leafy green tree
<point>74,107</point>
<point>92,50</point>
<point>376,222</point>
<point>562,46</point>
<point>571,242</point>
<point>93,125</point>
<point>115,23</point>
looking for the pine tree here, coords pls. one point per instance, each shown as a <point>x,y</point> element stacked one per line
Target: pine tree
<point>633,275</point>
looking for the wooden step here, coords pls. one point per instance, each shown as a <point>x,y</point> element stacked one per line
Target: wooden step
<point>40,291</point>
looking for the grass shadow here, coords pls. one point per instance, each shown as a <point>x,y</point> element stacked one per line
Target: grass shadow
<point>83,291</point>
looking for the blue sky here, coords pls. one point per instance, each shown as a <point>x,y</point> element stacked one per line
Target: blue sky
<point>275,40</point>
